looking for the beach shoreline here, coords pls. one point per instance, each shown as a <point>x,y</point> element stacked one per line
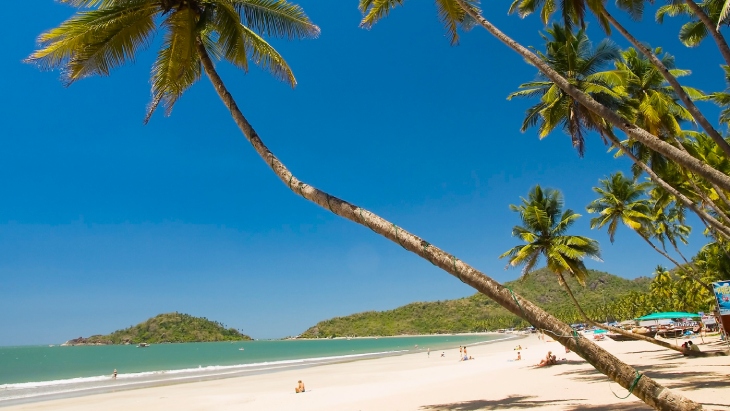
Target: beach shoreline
<point>65,389</point>
<point>419,381</point>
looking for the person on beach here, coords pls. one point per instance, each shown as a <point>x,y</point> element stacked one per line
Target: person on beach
<point>548,360</point>
<point>114,374</point>
<point>519,356</point>
<point>461,352</point>
<point>429,352</point>
<point>465,351</point>
<point>300,387</point>
<point>443,354</point>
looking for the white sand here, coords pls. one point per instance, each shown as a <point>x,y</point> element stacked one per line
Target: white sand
<point>417,382</point>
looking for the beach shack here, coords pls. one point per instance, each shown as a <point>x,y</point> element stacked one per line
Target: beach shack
<point>671,324</point>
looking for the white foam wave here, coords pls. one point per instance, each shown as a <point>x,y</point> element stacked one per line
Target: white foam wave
<point>209,370</point>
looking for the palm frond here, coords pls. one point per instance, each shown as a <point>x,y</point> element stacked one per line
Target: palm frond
<point>276,18</point>
<point>178,64</point>
<point>374,10</point>
<point>692,33</point>
<point>96,41</point>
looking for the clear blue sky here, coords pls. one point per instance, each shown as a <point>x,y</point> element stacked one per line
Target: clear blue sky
<point>105,222</point>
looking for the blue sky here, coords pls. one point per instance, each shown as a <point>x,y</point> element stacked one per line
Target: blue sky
<point>105,222</point>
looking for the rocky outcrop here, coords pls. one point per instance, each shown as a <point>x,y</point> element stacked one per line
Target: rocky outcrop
<point>86,341</point>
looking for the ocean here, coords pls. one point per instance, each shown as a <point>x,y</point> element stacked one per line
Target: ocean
<point>33,373</point>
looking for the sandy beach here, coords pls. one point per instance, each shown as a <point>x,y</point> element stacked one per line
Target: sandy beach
<point>492,381</point>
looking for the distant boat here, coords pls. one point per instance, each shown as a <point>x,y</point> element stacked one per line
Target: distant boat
<point>143,345</point>
<point>240,349</point>
<point>51,345</point>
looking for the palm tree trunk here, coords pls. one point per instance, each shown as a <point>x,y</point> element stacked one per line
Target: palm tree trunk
<point>683,159</point>
<point>642,386</point>
<point>700,192</point>
<point>722,195</point>
<point>712,29</point>
<point>696,113</point>
<point>717,225</point>
<point>679,266</point>
<point>616,330</point>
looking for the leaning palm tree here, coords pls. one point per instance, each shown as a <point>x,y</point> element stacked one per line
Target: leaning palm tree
<point>635,8</point>
<point>621,200</point>
<point>572,55</point>
<point>543,231</point>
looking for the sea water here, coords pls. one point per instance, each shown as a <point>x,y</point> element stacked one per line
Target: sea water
<point>33,373</point>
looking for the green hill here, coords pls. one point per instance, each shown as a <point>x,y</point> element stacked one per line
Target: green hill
<point>477,312</point>
<point>166,328</point>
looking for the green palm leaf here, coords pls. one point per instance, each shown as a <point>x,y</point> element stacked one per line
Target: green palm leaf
<point>276,18</point>
<point>178,65</point>
<point>95,42</point>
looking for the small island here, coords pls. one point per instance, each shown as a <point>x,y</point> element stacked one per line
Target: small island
<point>166,328</point>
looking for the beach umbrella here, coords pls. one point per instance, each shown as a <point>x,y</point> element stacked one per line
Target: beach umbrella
<point>668,316</point>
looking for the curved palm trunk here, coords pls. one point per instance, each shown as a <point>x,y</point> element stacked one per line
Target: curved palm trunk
<point>712,29</point>
<point>696,113</point>
<point>700,192</point>
<point>679,266</point>
<point>645,388</point>
<point>722,195</point>
<point>637,133</point>
<point>717,225</point>
<point>614,329</point>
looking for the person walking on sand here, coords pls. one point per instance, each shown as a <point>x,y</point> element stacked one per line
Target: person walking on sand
<point>429,352</point>
<point>461,351</point>
<point>299,388</point>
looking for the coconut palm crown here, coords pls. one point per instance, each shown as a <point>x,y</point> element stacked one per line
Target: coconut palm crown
<point>621,200</point>
<point>105,34</point>
<point>544,224</point>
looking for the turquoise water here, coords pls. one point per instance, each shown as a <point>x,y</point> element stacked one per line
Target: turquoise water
<point>36,371</point>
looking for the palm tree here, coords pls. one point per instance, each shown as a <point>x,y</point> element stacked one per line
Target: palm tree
<point>543,231</point>
<point>708,21</point>
<point>95,41</point>
<point>620,200</point>
<point>635,8</point>
<point>662,285</point>
<point>572,56</point>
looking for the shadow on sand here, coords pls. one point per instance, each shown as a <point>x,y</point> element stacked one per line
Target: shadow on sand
<point>513,402</point>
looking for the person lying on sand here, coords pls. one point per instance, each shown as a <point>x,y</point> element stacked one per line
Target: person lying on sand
<point>300,387</point>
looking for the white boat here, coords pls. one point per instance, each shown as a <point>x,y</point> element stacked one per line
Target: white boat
<point>143,345</point>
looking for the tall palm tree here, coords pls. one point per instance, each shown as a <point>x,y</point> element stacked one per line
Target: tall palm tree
<point>572,55</point>
<point>635,8</point>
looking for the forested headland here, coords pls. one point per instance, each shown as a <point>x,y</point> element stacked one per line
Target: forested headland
<point>167,328</point>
